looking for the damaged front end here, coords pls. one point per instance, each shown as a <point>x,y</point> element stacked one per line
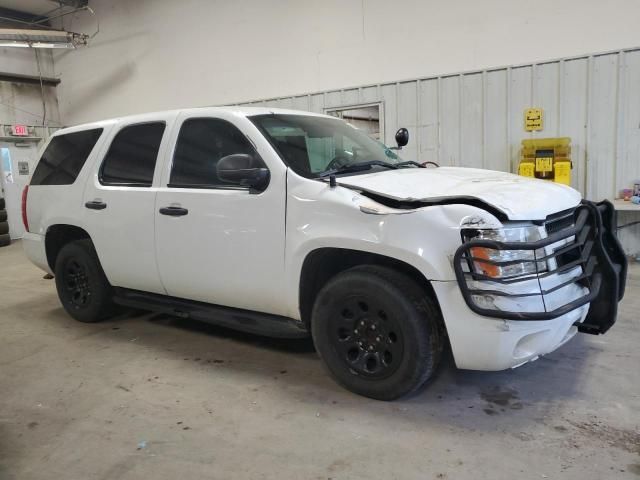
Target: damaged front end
<point>575,259</point>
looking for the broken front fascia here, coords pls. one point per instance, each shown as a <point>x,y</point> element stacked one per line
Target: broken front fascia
<point>486,225</point>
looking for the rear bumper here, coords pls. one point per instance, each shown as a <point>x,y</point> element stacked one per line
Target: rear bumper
<point>34,248</point>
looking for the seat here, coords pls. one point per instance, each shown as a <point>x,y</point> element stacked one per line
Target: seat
<point>294,150</point>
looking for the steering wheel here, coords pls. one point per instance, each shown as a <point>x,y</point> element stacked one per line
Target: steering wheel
<point>337,162</point>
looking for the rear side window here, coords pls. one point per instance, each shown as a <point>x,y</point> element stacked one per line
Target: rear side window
<point>202,142</point>
<point>64,157</point>
<point>132,156</point>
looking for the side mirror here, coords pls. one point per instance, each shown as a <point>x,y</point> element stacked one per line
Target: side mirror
<point>402,137</point>
<point>245,170</point>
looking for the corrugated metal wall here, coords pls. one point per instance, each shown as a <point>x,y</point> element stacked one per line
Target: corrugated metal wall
<point>476,119</point>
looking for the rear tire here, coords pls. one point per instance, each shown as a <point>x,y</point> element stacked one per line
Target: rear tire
<point>2,204</point>
<point>377,331</point>
<point>5,240</point>
<point>3,215</point>
<point>4,228</point>
<point>83,288</point>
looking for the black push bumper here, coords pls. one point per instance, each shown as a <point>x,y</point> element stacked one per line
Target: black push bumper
<point>587,244</point>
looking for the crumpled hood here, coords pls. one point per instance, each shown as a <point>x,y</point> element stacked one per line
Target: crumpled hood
<point>520,198</point>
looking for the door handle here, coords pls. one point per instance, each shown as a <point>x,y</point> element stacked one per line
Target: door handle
<point>174,211</point>
<point>96,205</point>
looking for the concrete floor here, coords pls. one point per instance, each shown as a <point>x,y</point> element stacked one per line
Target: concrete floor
<point>150,396</point>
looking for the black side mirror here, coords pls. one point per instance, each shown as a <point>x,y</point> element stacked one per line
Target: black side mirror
<point>402,137</point>
<point>245,170</point>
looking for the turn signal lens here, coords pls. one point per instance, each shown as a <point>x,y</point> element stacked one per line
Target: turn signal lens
<point>487,269</point>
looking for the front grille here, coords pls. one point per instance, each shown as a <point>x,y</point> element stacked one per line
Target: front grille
<point>556,223</point>
<point>559,221</point>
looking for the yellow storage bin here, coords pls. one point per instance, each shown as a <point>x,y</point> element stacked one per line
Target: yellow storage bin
<point>547,159</point>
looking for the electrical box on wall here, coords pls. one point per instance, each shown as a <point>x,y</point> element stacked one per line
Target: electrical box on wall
<point>533,121</point>
<point>546,158</point>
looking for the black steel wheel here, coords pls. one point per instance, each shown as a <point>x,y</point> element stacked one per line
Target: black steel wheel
<point>83,288</point>
<point>378,332</point>
<point>75,279</point>
<point>366,337</point>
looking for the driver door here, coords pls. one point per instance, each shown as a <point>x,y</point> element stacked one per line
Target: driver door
<point>218,242</point>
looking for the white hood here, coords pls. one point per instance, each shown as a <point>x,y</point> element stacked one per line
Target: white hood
<point>520,198</point>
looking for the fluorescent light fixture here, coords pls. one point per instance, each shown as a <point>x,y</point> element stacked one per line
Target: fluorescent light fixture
<point>23,38</point>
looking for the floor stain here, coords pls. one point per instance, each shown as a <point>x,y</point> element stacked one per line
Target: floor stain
<point>505,398</point>
<point>499,396</point>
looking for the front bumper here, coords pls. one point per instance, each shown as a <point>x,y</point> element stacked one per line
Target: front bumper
<point>483,343</point>
<point>586,267</point>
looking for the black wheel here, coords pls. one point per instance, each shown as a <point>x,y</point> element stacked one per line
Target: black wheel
<point>5,240</point>
<point>4,228</point>
<point>2,205</point>
<point>83,289</point>
<point>377,331</point>
<point>3,215</point>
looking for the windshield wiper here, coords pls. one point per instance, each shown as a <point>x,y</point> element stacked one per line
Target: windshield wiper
<point>357,167</point>
<point>410,162</point>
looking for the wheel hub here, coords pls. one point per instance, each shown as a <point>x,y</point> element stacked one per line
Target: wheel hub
<point>369,334</point>
<point>366,338</point>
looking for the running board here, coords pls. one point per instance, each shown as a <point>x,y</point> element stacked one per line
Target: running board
<point>245,320</point>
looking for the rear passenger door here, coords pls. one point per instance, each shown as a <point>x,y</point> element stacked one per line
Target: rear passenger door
<point>119,202</point>
<point>219,242</point>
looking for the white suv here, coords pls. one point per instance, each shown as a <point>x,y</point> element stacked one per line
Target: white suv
<point>289,224</point>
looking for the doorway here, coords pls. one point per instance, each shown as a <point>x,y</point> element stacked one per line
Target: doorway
<point>17,162</point>
<point>364,117</point>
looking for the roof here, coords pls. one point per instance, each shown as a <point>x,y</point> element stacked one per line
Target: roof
<point>147,117</point>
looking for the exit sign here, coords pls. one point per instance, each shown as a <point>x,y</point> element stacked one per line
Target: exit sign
<point>19,130</point>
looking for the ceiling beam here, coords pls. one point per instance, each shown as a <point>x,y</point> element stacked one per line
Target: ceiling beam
<point>74,3</point>
<point>29,79</point>
<point>17,17</point>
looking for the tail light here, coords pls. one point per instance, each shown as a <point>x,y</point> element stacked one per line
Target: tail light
<point>25,219</point>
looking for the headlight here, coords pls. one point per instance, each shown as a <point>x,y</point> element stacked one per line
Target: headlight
<point>525,233</point>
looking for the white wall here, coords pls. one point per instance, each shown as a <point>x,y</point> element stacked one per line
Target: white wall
<point>158,54</point>
<point>22,103</point>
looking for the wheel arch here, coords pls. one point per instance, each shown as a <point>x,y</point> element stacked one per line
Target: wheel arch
<point>322,264</point>
<point>59,235</point>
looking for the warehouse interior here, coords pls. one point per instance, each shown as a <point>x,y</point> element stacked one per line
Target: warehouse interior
<point>499,85</point>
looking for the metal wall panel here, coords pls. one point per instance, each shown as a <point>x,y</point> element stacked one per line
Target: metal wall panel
<point>495,119</point>
<point>572,120</point>
<point>476,119</point>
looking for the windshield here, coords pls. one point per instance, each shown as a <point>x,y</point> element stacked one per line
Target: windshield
<point>312,146</point>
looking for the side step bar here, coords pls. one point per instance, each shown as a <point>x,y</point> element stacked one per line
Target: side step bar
<point>247,321</point>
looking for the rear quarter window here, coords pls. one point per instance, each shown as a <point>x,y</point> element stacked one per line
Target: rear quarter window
<point>64,157</point>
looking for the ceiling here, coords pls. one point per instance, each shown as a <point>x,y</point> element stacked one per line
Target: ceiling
<point>36,7</point>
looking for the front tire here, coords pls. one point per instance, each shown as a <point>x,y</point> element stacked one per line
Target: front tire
<point>83,288</point>
<point>377,331</point>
